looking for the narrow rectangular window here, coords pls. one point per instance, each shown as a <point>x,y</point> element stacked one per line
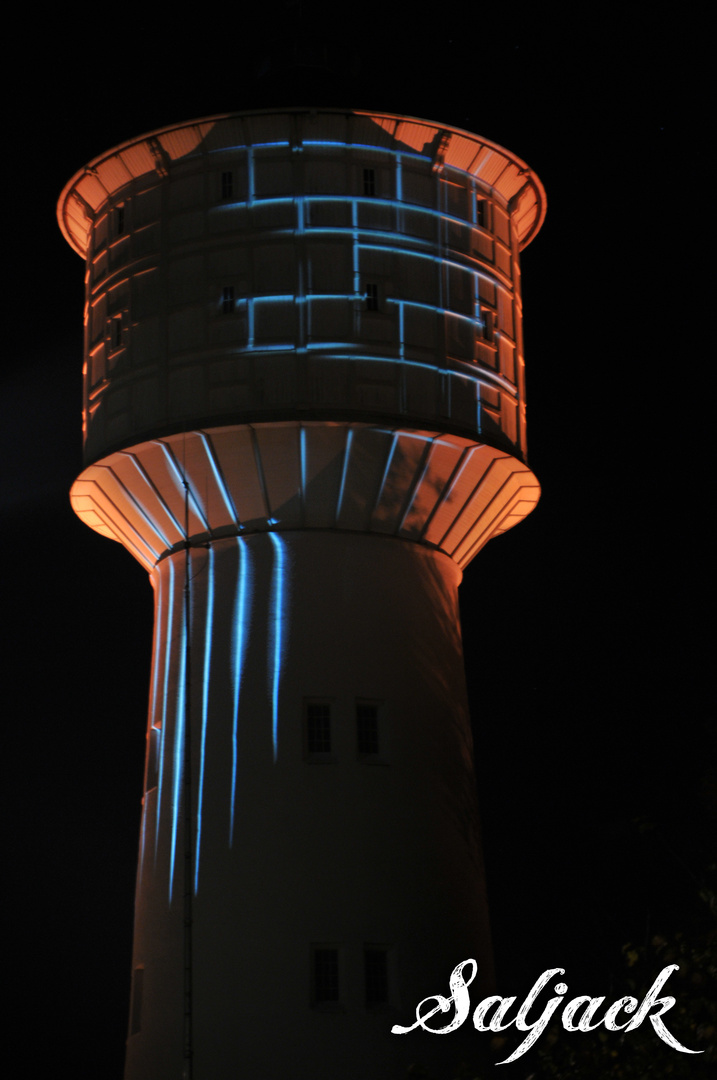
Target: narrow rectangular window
<point>318,728</point>
<point>367,729</point>
<point>375,959</point>
<point>227,185</point>
<point>369,182</point>
<point>481,216</point>
<point>371,296</point>
<point>119,220</point>
<point>227,300</point>
<point>489,324</point>
<point>116,332</point>
<point>325,975</point>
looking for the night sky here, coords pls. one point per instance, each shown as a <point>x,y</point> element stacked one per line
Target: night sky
<point>586,628</point>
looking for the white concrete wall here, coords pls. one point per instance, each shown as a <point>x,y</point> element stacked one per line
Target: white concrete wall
<point>298,242</point>
<point>346,851</point>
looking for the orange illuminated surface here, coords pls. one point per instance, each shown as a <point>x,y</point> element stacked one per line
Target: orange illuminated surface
<point>107,174</point>
<point>135,496</point>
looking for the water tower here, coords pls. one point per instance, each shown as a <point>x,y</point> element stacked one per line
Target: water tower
<point>304,415</point>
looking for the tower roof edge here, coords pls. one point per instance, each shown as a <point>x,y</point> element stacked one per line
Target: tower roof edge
<point>491,164</point>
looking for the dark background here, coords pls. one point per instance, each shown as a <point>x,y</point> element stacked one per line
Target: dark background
<point>586,628</point>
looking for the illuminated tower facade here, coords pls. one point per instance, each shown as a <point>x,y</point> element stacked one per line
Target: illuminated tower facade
<point>304,415</point>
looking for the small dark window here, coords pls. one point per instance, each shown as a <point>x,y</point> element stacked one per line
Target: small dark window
<point>135,1020</point>
<point>367,729</point>
<point>376,974</point>
<point>481,213</point>
<point>369,182</point>
<point>325,975</point>
<point>489,324</point>
<point>116,332</point>
<point>371,296</point>
<point>227,185</point>
<point>119,220</point>
<point>227,300</point>
<point>318,728</point>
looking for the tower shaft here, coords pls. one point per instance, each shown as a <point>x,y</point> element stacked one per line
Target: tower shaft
<point>333,796</point>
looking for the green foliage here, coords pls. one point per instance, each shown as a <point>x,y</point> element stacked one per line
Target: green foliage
<point>639,1054</point>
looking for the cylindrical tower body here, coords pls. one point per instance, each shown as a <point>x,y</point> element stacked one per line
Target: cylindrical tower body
<point>304,415</point>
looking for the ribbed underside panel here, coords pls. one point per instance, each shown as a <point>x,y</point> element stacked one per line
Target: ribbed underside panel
<point>440,490</point>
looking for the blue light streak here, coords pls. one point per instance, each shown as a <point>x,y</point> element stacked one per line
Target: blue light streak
<point>465,262</point>
<point>179,480</point>
<point>347,451</point>
<point>385,471</point>
<point>329,296</point>
<point>474,320</point>
<point>401,328</point>
<point>165,691</point>
<point>276,200</point>
<point>415,435</point>
<point>397,202</point>
<point>178,746</point>
<point>143,834</point>
<point>470,265</point>
<point>365,146</point>
<point>313,345</point>
<point>240,640</point>
<point>206,677</point>
<point>412,253</point>
<point>302,454</point>
<point>247,146</point>
<point>226,496</point>
<point>457,473</point>
<point>304,312</point>
<point>486,376</point>
<point>417,484</point>
<point>433,307</point>
<point>355,248</point>
<point>368,202</point>
<point>414,364</point>
<point>276,642</point>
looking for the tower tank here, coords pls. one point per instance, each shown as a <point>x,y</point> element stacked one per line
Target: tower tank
<point>304,414</point>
